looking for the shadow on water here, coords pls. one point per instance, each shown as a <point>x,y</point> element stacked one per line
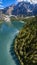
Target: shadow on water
<point>14,57</point>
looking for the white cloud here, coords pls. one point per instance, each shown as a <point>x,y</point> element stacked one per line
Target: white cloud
<point>21,0</point>
<point>34,1</point>
<point>31,1</point>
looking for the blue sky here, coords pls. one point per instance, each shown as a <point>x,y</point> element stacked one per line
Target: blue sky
<point>6,3</point>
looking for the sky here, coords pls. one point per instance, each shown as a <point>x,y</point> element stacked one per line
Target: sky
<point>5,3</point>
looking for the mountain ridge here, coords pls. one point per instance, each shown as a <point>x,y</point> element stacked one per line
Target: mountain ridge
<point>22,8</point>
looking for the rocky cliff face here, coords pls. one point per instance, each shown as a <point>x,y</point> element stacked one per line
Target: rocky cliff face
<point>25,8</point>
<point>8,10</point>
<point>22,8</point>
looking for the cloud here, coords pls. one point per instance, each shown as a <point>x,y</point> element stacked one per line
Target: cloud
<point>31,1</point>
<point>23,0</point>
<point>19,0</point>
<point>34,1</point>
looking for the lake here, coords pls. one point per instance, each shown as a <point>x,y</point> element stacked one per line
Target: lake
<point>8,31</point>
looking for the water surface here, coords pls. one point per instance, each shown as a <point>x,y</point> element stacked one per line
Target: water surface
<point>8,31</point>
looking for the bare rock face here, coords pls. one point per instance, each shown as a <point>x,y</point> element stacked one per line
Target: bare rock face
<point>25,44</point>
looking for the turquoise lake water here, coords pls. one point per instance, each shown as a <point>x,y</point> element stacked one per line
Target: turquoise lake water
<point>8,31</point>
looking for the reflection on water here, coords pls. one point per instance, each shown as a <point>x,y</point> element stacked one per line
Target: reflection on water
<point>7,34</point>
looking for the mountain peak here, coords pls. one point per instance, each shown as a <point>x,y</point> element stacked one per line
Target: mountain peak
<point>22,8</point>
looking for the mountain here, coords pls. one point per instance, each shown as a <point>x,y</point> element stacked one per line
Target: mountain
<point>35,10</point>
<point>25,9</point>
<point>22,8</point>
<point>5,10</point>
<point>8,9</point>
